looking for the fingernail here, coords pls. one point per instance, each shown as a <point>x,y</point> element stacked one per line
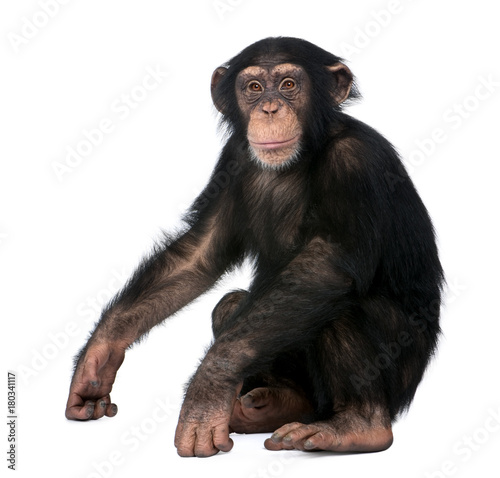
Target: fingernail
<point>94,383</point>
<point>102,404</point>
<point>90,409</point>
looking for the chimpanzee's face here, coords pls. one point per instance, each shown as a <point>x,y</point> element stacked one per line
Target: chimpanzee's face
<point>273,100</point>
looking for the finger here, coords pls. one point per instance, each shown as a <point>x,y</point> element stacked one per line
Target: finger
<point>185,437</point>
<point>75,408</point>
<point>74,400</point>
<point>76,413</point>
<point>111,410</point>
<point>89,409</point>
<point>104,407</point>
<point>221,438</point>
<point>81,412</point>
<point>100,408</point>
<point>204,444</point>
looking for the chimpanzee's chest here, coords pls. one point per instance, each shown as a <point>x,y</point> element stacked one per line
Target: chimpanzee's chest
<point>276,213</point>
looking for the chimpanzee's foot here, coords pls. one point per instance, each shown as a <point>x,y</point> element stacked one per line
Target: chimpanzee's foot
<point>326,435</point>
<point>267,408</point>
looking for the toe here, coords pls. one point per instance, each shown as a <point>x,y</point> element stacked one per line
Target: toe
<point>323,440</point>
<point>272,445</point>
<point>258,397</point>
<point>281,432</point>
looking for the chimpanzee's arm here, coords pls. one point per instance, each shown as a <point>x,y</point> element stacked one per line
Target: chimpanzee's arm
<point>174,275</point>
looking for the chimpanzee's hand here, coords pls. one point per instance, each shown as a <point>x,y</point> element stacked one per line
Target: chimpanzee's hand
<point>92,382</point>
<point>203,430</point>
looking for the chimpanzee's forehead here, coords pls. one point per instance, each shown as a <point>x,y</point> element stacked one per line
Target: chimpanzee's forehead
<point>270,69</point>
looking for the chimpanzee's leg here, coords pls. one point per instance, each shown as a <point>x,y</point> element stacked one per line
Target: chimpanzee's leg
<point>347,419</point>
<point>272,398</point>
<point>365,368</point>
<point>225,309</point>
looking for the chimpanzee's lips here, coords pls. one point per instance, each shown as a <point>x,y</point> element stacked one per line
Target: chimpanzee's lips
<point>272,144</point>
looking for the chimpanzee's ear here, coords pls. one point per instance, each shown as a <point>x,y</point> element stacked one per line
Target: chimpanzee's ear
<point>216,77</point>
<point>344,78</point>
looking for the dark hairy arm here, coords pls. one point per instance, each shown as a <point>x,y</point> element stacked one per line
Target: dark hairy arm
<point>177,273</point>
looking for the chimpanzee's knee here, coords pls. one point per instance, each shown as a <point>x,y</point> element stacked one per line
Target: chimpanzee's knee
<point>225,308</point>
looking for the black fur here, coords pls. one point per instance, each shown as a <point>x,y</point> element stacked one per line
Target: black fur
<point>346,295</point>
<point>378,277</point>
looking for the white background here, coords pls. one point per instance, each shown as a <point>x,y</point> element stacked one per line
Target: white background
<point>67,243</point>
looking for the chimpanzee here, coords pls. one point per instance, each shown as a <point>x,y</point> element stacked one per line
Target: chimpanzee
<point>332,338</point>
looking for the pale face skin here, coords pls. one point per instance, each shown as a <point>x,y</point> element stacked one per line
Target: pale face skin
<point>273,101</point>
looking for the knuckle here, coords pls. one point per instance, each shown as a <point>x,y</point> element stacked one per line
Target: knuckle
<point>204,452</point>
<point>184,452</point>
